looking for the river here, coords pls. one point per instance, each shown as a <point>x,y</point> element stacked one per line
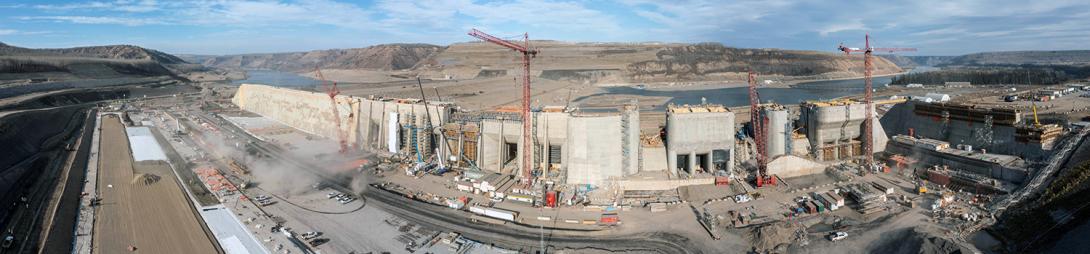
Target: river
<point>276,78</point>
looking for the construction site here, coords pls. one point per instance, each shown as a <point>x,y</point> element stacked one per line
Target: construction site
<point>497,163</point>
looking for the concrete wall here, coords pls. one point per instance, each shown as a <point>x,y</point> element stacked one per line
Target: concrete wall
<point>307,111</point>
<point>552,131</point>
<point>698,133</point>
<point>653,159</point>
<point>901,118</point>
<point>364,121</point>
<point>375,115</point>
<point>594,152</point>
<point>630,129</point>
<point>495,136</point>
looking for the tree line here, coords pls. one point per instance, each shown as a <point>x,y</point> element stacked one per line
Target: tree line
<point>998,74</point>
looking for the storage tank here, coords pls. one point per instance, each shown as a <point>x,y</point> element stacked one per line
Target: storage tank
<point>776,139</point>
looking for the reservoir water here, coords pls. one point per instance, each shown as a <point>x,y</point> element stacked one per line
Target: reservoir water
<point>276,78</point>
<point>739,96</point>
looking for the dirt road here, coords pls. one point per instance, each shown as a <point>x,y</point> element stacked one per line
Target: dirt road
<point>152,216</point>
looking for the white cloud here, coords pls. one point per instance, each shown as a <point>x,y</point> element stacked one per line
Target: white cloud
<point>855,25</point>
<point>8,31</point>
<point>117,5</point>
<point>97,20</point>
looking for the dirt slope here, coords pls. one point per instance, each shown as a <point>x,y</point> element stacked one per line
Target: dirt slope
<point>379,57</point>
<point>641,62</point>
<point>123,52</point>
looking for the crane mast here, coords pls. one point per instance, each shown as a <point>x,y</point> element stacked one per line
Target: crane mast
<point>758,122</point>
<point>868,67</point>
<point>332,91</point>
<point>527,53</point>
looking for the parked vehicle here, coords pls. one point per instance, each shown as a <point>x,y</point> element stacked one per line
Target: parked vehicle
<point>318,241</point>
<point>837,236</point>
<point>9,239</point>
<point>310,235</point>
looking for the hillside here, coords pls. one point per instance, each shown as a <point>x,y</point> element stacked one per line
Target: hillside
<point>96,62</point>
<point>915,61</point>
<point>642,62</point>
<point>121,52</point>
<point>378,57</point>
<point>1063,57</point>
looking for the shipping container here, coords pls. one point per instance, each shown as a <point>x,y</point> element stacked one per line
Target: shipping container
<point>938,177</point>
<point>839,199</point>
<point>820,207</point>
<point>830,201</point>
<point>550,199</point>
<point>722,180</point>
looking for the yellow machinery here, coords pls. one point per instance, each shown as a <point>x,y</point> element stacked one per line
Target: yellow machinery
<point>1035,122</point>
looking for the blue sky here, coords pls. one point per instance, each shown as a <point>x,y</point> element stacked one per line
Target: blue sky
<point>936,27</point>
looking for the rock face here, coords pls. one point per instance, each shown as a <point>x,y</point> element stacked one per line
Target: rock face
<point>379,57</point>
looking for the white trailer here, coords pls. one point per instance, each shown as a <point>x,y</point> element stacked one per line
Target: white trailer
<point>494,213</point>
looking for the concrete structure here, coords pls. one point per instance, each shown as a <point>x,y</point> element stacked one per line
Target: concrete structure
<point>576,147</point>
<point>307,111</point>
<point>364,121</point>
<point>835,129</point>
<point>996,166</point>
<point>594,149</point>
<point>700,136</point>
<point>778,131</point>
<point>993,129</point>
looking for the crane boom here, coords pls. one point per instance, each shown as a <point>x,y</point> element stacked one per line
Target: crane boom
<point>527,53</point>
<point>332,91</point>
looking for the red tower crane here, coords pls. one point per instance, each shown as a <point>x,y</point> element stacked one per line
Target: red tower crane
<point>527,53</point>
<point>868,66</point>
<point>759,124</point>
<point>332,91</point>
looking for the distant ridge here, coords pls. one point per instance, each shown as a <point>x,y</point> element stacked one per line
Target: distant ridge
<point>124,52</point>
<point>1039,57</point>
<point>379,57</point>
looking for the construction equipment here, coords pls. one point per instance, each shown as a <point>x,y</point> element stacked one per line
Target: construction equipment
<point>868,65</point>
<point>332,91</point>
<point>527,53</point>
<point>1036,123</point>
<point>759,122</point>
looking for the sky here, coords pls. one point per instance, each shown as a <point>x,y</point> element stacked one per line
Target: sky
<point>935,27</point>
